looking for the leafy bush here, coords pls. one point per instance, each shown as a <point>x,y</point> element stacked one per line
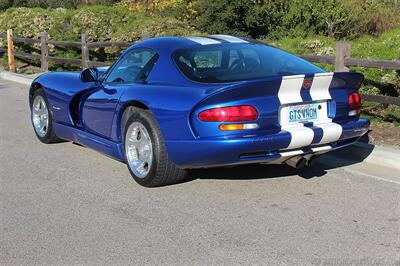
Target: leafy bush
<point>329,18</point>
<point>28,22</point>
<point>276,19</point>
<point>381,112</point>
<point>4,4</point>
<point>150,7</point>
<point>242,17</point>
<point>392,113</point>
<point>375,17</point>
<point>370,90</point>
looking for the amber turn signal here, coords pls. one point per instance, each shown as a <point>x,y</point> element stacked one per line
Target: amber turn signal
<point>231,127</point>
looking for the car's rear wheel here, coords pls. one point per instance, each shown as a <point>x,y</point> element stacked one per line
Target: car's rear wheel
<point>146,154</point>
<point>42,119</point>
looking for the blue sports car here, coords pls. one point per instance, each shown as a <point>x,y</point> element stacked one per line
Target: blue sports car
<point>170,104</point>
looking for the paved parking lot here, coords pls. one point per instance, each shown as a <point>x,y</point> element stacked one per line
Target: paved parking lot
<point>65,204</point>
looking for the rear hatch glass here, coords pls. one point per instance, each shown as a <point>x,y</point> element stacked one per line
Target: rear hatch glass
<point>222,63</point>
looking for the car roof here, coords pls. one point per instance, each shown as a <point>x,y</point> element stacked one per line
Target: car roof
<point>171,43</point>
<point>165,70</point>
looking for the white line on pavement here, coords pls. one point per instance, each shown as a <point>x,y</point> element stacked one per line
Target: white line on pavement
<point>372,176</point>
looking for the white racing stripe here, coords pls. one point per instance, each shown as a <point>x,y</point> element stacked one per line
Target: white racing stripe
<point>301,136</point>
<point>320,86</point>
<point>322,148</point>
<point>203,40</point>
<point>291,153</point>
<point>331,132</point>
<point>299,152</point>
<point>229,38</point>
<point>320,91</point>
<point>289,91</point>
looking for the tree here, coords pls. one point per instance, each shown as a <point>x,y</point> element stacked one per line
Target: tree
<point>245,17</point>
<point>37,3</point>
<point>4,4</point>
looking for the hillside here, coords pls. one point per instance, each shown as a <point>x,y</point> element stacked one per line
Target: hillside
<point>301,27</point>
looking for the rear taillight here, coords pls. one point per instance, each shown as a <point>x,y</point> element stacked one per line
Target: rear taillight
<point>229,114</point>
<point>355,103</point>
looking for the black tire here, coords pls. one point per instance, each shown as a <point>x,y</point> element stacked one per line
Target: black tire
<point>50,136</point>
<point>162,171</point>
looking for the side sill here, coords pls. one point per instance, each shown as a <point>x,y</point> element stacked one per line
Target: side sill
<point>102,145</point>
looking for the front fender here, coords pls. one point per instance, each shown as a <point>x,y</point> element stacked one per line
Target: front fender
<point>60,88</point>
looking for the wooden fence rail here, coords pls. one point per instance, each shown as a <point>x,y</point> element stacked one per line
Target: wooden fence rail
<point>45,58</point>
<point>368,63</point>
<point>341,60</point>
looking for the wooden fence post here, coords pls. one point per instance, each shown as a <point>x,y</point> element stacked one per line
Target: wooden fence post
<point>44,48</point>
<point>10,50</point>
<point>343,52</point>
<point>85,51</point>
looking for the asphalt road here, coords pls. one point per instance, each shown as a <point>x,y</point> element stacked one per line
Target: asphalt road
<point>65,204</point>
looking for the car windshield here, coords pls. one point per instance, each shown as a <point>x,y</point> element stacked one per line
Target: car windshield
<point>221,63</point>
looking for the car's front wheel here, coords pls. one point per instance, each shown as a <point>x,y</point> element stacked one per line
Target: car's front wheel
<point>41,118</point>
<point>146,154</point>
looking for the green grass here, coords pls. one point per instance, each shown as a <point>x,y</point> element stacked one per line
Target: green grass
<point>385,46</point>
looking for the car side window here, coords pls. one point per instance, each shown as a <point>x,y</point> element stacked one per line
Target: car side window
<point>132,67</point>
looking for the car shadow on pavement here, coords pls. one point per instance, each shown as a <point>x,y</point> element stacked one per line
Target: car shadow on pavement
<point>352,154</point>
<point>336,159</point>
<point>255,171</point>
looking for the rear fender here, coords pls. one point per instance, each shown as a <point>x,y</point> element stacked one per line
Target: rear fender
<point>170,104</point>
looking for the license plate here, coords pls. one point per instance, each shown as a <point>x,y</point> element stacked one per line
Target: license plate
<point>303,112</point>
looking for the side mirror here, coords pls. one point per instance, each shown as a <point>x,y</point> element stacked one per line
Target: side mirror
<point>89,75</point>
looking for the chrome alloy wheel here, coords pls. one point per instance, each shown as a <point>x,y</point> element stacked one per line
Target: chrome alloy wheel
<point>40,116</point>
<point>139,149</point>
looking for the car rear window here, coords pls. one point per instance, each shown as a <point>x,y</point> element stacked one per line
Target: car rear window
<point>221,63</point>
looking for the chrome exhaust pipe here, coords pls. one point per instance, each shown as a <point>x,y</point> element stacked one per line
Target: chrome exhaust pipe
<point>312,160</point>
<point>297,162</point>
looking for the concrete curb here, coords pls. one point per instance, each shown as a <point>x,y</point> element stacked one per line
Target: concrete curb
<point>383,156</point>
<point>360,152</point>
<point>23,79</point>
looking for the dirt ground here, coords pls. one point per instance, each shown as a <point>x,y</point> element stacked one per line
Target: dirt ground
<point>383,133</point>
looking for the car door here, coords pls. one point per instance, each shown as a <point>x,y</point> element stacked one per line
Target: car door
<point>99,107</point>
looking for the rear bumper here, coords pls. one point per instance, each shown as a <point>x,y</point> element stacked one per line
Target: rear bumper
<point>268,148</point>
